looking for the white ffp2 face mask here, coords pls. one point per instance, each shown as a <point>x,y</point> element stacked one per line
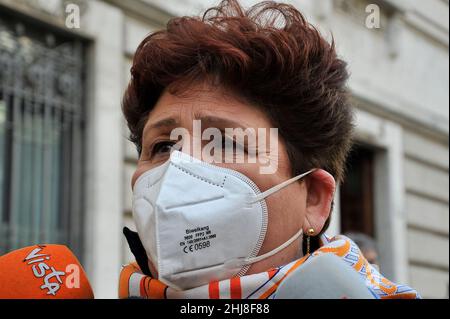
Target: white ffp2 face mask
<point>199,222</point>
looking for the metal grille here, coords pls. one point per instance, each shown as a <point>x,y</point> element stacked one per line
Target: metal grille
<point>41,137</point>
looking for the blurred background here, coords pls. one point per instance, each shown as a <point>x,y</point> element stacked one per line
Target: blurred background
<point>66,165</point>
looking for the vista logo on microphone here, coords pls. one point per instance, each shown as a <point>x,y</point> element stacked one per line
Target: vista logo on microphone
<point>52,280</point>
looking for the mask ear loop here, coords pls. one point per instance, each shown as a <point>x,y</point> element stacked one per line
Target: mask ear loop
<point>276,188</point>
<point>239,262</point>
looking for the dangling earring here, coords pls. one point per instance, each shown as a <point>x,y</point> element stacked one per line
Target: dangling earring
<point>308,239</point>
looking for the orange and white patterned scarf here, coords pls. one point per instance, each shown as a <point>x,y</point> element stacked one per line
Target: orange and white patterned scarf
<point>134,284</point>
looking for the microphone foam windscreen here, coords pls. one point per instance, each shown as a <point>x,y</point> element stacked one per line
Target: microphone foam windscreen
<point>324,277</point>
<point>43,272</point>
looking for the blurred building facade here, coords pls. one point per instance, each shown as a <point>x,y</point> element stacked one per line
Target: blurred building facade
<point>66,165</point>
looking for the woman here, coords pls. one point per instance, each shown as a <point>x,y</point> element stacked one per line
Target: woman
<point>226,228</point>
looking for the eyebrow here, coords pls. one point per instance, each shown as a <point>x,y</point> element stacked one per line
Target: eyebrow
<point>224,122</point>
<point>165,122</point>
<point>205,119</point>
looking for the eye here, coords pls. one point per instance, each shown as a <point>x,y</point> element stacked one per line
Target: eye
<point>162,148</point>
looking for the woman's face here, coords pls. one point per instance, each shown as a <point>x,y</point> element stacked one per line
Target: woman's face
<point>290,209</point>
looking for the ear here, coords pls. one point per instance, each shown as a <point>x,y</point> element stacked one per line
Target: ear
<point>320,188</point>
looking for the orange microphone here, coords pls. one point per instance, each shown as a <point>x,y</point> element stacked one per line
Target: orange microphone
<point>43,272</point>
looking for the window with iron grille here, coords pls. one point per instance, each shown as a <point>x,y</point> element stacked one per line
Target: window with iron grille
<point>41,136</point>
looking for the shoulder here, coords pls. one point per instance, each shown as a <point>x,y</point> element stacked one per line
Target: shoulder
<point>345,248</point>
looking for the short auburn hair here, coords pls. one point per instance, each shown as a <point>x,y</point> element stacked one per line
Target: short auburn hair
<point>270,56</point>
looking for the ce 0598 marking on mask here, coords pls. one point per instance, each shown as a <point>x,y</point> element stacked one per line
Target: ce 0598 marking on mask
<point>197,239</point>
